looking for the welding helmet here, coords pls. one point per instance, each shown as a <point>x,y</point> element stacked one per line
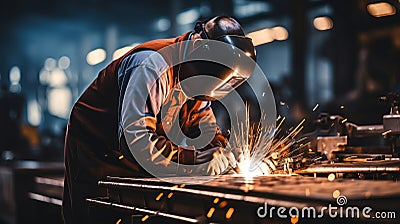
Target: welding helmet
<point>214,67</point>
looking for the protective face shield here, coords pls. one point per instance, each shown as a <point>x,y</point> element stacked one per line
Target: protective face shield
<point>213,68</point>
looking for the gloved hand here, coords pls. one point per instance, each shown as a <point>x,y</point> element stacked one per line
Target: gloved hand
<point>215,161</point>
<point>267,166</point>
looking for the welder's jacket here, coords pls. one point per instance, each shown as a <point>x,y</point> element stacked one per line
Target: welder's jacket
<point>97,145</point>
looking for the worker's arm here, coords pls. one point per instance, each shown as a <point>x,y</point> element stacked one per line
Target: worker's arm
<point>144,88</point>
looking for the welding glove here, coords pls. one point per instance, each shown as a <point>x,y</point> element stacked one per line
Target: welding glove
<point>215,161</point>
<point>267,166</point>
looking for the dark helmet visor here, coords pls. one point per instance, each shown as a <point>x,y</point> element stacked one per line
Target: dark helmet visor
<point>213,68</point>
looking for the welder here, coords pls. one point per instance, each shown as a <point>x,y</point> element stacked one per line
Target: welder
<point>140,101</point>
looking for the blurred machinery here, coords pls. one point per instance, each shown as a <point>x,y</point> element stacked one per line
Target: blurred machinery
<point>355,151</point>
<point>12,141</point>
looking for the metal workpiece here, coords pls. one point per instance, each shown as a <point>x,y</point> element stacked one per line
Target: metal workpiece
<point>240,199</point>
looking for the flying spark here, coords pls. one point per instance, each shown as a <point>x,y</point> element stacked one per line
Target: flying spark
<point>257,144</point>
<point>316,106</point>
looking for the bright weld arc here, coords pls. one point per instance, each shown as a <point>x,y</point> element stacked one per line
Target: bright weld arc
<point>263,145</point>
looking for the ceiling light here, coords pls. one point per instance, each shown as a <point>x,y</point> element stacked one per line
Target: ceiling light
<point>381,9</point>
<point>323,23</point>
<point>96,56</point>
<point>261,36</point>
<point>280,33</point>
<point>123,50</point>
<point>188,16</point>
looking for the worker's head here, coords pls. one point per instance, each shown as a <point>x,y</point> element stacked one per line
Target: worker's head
<point>218,59</point>
<point>217,27</point>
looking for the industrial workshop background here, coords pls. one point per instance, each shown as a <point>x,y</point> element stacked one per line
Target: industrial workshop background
<point>317,55</point>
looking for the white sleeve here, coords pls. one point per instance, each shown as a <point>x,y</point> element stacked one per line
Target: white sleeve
<point>145,93</point>
<point>147,87</point>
